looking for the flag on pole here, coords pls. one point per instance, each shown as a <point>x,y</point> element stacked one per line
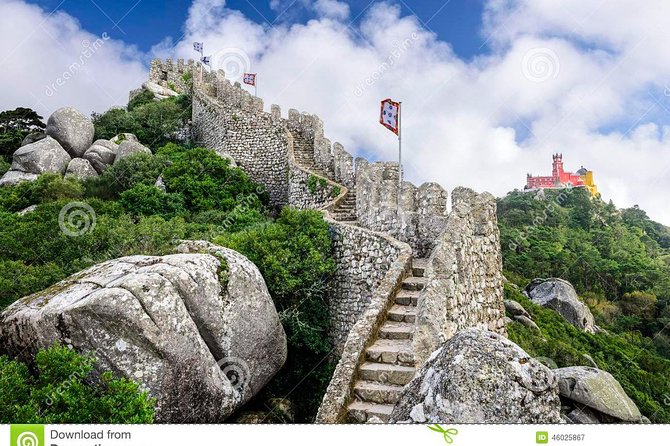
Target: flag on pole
<point>389,115</point>
<point>250,79</point>
<point>198,46</point>
<point>206,60</point>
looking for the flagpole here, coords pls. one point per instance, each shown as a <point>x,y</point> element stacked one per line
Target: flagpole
<point>399,153</point>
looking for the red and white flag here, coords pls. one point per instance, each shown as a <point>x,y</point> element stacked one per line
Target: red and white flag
<point>250,79</point>
<point>389,115</point>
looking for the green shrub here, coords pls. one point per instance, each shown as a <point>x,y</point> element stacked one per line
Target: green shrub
<point>643,374</point>
<point>155,123</point>
<point>65,390</point>
<point>134,170</point>
<point>4,166</point>
<point>145,97</point>
<point>207,182</point>
<point>150,200</point>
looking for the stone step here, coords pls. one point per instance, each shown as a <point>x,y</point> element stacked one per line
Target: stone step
<point>396,330</point>
<point>414,283</point>
<point>402,313</point>
<point>373,392</point>
<point>391,352</point>
<point>359,412</point>
<point>398,375</point>
<point>407,297</point>
<point>349,222</point>
<point>419,267</point>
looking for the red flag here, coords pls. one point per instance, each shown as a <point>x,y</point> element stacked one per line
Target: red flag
<point>250,79</point>
<point>389,115</point>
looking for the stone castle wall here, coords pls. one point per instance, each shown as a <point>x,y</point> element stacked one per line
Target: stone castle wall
<point>415,215</point>
<point>465,273</point>
<point>463,244</point>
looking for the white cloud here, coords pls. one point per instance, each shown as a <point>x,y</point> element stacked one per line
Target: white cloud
<point>582,77</point>
<point>50,61</point>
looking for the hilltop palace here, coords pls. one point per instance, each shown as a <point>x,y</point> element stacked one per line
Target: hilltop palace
<point>561,179</point>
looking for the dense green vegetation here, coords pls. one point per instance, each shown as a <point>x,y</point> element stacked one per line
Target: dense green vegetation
<point>619,263</point>
<point>154,123</point>
<point>125,213</point>
<point>62,391</point>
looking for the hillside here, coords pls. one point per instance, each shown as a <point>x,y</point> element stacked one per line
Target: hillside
<point>618,261</point>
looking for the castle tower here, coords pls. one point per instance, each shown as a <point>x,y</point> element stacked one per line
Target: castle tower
<point>557,170</point>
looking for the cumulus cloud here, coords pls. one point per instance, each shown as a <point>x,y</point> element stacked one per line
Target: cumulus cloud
<point>581,77</point>
<point>578,78</point>
<point>49,61</point>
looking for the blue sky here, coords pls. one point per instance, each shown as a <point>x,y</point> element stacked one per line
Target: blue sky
<point>147,22</point>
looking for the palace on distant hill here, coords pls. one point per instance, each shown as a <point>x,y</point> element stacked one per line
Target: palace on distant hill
<point>561,179</point>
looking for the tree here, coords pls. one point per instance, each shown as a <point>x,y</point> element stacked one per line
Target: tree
<point>15,125</point>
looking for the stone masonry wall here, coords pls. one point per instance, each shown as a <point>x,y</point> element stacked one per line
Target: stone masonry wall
<point>414,215</point>
<point>257,142</point>
<point>363,259</point>
<point>465,272</point>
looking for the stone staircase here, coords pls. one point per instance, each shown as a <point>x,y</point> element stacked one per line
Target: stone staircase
<point>303,152</point>
<point>389,361</point>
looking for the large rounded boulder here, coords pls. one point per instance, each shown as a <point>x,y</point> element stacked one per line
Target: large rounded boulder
<point>72,130</point>
<point>43,156</point>
<point>600,392</point>
<point>560,296</point>
<point>127,148</point>
<point>101,154</point>
<point>197,329</point>
<point>480,377</point>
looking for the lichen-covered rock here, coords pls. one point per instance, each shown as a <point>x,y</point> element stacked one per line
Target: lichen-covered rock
<point>101,154</point>
<point>45,155</point>
<point>158,90</point>
<point>127,148</point>
<point>81,169</point>
<point>527,322</point>
<point>14,177</point>
<point>560,296</point>
<point>480,377</point>
<point>198,330</point>
<point>72,130</point>
<point>598,390</point>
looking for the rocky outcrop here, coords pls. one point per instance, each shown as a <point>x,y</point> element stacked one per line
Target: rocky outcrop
<point>81,169</point>
<point>560,296</point>
<point>72,130</point>
<point>197,329</point>
<point>159,91</point>
<point>127,148</point>
<point>595,396</point>
<point>101,154</point>
<point>14,177</point>
<point>43,156</point>
<point>480,377</point>
<point>33,137</point>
